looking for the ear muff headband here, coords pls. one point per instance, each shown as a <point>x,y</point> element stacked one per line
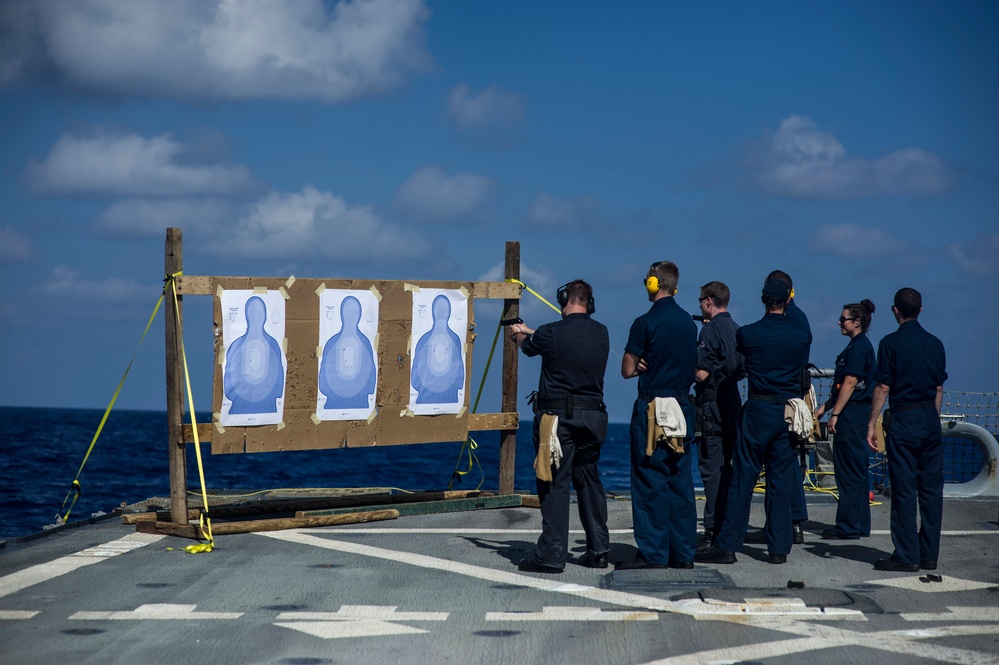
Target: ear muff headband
<point>652,285</point>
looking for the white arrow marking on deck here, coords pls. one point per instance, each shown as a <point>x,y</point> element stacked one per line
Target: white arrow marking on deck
<point>355,612</point>
<point>45,571</point>
<point>505,577</point>
<point>155,611</point>
<point>16,614</point>
<point>572,614</point>
<point>948,583</point>
<point>329,630</point>
<point>957,614</point>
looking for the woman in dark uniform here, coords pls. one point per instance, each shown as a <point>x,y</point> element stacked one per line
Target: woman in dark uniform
<point>849,407</point>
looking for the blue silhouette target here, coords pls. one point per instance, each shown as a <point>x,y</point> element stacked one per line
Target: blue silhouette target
<point>437,374</point>
<point>254,365</point>
<point>348,369</point>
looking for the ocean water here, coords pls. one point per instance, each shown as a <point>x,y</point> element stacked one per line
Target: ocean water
<point>41,450</point>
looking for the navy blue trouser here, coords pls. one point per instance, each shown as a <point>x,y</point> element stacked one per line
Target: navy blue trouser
<point>714,461</point>
<point>580,438</point>
<point>763,439</point>
<point>662,493</point>
<point>850,461</point>
<point>915,470</point>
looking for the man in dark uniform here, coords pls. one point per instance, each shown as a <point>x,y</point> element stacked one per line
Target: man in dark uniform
<point>774,350</point>
<point>662,353</point>
<point>573,361</point>
<point>912,370</point>
<point>719,368</point>
<point>799,507</point>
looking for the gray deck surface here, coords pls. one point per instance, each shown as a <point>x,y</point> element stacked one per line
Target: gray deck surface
<point>445,589</point>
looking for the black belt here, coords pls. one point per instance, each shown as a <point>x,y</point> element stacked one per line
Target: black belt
<point>569,404</point>
<point>679,398</point>
<point>768,398</point>
<point>910,406</point>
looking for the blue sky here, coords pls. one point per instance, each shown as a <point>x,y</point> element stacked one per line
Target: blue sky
<point>853,145</point>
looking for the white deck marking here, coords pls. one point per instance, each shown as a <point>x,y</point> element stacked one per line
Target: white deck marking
<point>948,584</point>
<point>506,577</point>
<point>46,571</point>
<point>14,615</point>
<point>572,614</point>
<point>957,614</point>
<point>356,612</point>
<point>820,637</point>
<point>155,611</point>
<point>329,630</point>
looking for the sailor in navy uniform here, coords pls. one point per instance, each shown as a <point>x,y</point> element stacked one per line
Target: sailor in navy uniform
<point>774,350</point>
<point>662,353</point>
<point>849,406</point>
<point>911,373</point>
<point>573,363</point>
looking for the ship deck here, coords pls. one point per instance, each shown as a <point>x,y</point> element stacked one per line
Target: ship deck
<point>444,588</point>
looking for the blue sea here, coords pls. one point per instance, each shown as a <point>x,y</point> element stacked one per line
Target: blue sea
<point>42,449</point>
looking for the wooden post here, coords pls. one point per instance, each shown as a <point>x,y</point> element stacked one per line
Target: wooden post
<point>508,437</point>
<point>174,263</point>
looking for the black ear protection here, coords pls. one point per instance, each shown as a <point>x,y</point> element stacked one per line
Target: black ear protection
<point>562,296</point>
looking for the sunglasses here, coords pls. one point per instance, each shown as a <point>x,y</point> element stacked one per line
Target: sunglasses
<point>844,319</point>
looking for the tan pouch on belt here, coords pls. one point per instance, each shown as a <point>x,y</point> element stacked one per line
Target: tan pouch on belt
<point>543,462</point>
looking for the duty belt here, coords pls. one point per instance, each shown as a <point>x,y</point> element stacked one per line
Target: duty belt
<point>568,404</point>
<point>767,398</point>
<point>909,406</point>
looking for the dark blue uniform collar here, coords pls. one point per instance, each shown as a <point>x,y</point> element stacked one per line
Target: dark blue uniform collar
<point>576,315</point>
<point>665,302</point>
<point>911,323</point>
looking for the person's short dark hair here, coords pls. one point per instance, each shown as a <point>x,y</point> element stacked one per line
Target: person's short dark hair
<point>668,275</point>
<point>779,275</point>
<point>862,312</point>
<point>775,292</point>
<point>718,292</point>
<point>579,291</point>
<point>908,302</point>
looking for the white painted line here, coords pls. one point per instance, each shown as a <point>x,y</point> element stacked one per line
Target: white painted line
<point>609,596</point>
<point>948,584</point>
<point>572,614</point>
<point>329,630</point>
<point>957,614</point>
<point>46,571</point>
<point>820,638</point>
<point>14,615</point>
<point>355,612</point>
<point>792,609</point>
<point>155,611</point>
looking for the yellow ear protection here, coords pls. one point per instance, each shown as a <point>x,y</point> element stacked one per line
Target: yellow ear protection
<point>652,285</point>
<point>562,296</point>
<point>792,292</point>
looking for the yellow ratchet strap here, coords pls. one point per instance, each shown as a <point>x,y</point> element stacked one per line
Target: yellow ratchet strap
<point>76,489</point>
<point>534,293</point>
<point>204,521</point>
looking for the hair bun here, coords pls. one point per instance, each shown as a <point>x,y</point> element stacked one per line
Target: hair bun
<point>868,305</point>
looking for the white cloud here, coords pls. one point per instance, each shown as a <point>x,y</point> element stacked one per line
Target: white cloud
<point>14,246</point>
<point>151,217</point>
<point>800,160</point>
<point>853,241</point>
<point>541,281</point>
<point>66,282</point>
<point>216,49</point>
<point>315,224</point>
<point>493,107</point>
<point>565,213</point>
<point>977,257</point>
<point>130,165</point>
<point>431,194</point>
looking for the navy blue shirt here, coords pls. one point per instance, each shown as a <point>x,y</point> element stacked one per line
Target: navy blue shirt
<point>666,338</point>
<point>912,363</point>
<point>857,359</point>
<point>573,357</point>
<point>794,313</point>
<point>775,351</point>
<point>717,356</point>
